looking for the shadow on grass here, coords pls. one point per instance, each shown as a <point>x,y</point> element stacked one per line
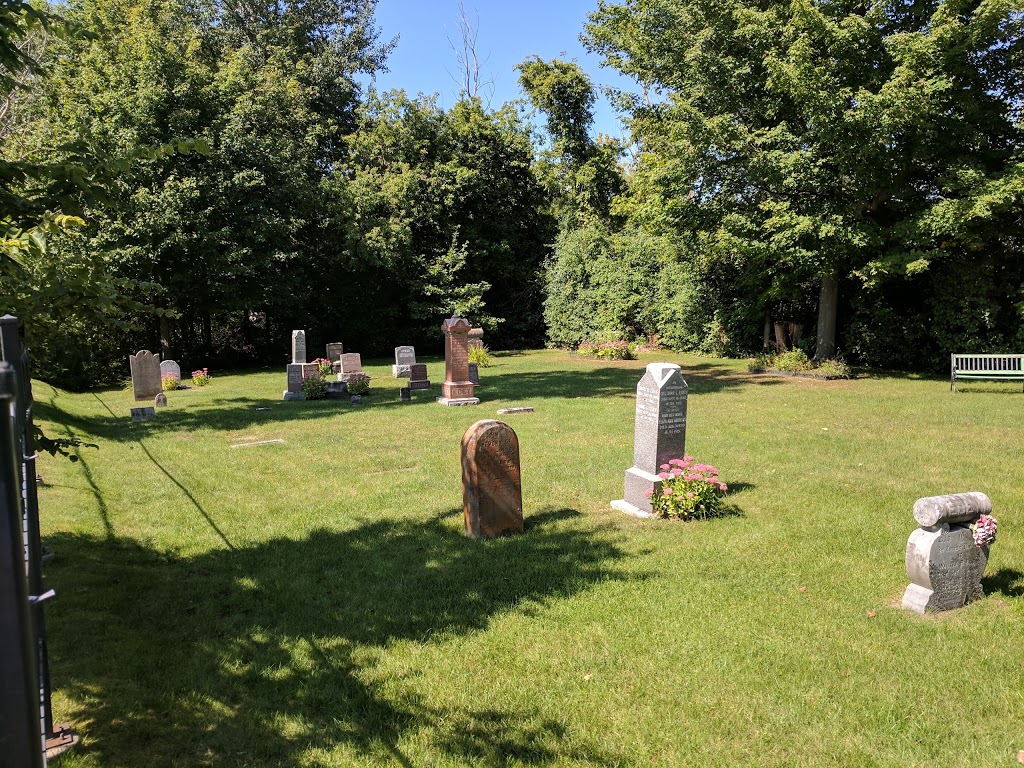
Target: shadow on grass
<point>1008,581</point>
<point>239,413</point>
<point>283,653</point>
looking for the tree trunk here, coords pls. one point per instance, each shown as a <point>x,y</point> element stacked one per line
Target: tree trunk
<point>207,331</point>
<point>828,308</point>
<point>165,338</point>
<point>767,332</point>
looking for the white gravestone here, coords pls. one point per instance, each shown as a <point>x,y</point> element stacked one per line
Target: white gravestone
<point>170,367</point>
<point>404,357</point>
<point>298,347</point>
<point>659,434</point>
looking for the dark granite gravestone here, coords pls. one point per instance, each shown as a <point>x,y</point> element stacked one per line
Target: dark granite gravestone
<point>335,350</point>
<point>405,394</point>
<point>474,374</point>
<point>492,491</point>
<point>145,367</point>
<point>418,376</point>
<point>457,389</point>
<point>659,434</point>
<point>944,564</point>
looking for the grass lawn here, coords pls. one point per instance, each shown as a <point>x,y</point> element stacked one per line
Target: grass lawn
<point>314,602</point>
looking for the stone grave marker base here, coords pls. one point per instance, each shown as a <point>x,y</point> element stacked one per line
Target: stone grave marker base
<point>400,371</point>
<point>292,395</point>
<point>459,400</point>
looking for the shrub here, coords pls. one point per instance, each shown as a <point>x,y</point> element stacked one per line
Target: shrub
<point>169,382</point>
<point>794,360</point>
<point>688,490</point>
<point>201,377</point>
<point>761,363</point>
<point>358,384</point>
<point>481,356</point>
<point>608,350</point>
<point>833,369</point>
<point>314,388</point>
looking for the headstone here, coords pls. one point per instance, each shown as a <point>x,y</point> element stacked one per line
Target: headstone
<point>357,399</point>
<point>350,363</point>
<point>172,368</point>
<point>335,350</point>
<point>944,564</point>
<point>404,357</point>
<point>476,338</point>
<point>336,390</point>
<point>405,394</point>
<point>160,401</point>
<point>492,491</point>
<point>297,373</point>
<point>298,347</point>
<point>457,389</point>
<point>474,374</point>
<point>145,367</point>
<point>659,434</point>
<point>143,414</point>
<point>519,409</point>
<point>418,376</point>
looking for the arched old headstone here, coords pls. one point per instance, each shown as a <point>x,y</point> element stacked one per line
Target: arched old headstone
<point>492,490</point>
<point>145,367</point>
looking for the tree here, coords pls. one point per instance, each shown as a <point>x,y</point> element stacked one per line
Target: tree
<point>834,140</point>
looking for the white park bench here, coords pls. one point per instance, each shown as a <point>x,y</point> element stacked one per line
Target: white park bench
<point>993,367</point>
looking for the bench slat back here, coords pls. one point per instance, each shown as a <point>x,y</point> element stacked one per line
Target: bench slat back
<point>988,363</point>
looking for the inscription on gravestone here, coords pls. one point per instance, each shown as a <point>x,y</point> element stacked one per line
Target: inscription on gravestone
<point>492,492</point>
<point>659,434</point>
<point>145,367</point>
<point>298,347</point>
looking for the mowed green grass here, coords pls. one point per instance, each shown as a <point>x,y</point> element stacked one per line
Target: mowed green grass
<point>315,603</point>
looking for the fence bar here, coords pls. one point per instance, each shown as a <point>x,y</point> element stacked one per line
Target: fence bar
<point>21,737</point>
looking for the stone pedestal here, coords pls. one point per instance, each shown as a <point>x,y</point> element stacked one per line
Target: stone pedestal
<point>457,389</point>
<point>492,491</point>
<point>943,563</point>
<point>659,435</point>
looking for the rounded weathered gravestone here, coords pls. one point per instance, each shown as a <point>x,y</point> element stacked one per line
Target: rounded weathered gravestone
<point>492,490</point>
<point>160,401</point>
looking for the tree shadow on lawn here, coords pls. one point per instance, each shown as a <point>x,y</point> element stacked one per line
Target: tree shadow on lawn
<point>258,655</point>
<point>1009,581</point>
<point>606,381</point>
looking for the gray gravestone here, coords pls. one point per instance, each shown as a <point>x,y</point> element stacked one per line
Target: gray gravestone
<point>143,414</point>
<point>335,350</point>
<point>659,434</point>
<point>418,376</point>
<point>297,373</point>
<point>944,564</point>
<point>160,401</point>
<point>404,357</point>
<point>145,367</point>
<point>298,347</point>
<point>172,368</point>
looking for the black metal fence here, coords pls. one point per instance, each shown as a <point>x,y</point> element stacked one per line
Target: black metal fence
<point>27,732</point>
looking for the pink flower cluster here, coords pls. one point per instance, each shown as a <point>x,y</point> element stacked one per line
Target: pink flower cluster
<point>689,470</point>
<point>984,531</point>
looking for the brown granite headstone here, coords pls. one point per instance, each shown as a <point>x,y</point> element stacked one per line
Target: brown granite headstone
<point>457,389</point>
<point>418,376</point>
<point>145,368</point>
<point>492,490</point>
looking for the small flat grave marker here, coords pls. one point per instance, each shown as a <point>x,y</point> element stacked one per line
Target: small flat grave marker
<point>520,409</point>
<point>143,414</point>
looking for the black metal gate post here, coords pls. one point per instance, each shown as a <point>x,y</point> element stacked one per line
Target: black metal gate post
<point>21,738</point>
<point>61,738</point>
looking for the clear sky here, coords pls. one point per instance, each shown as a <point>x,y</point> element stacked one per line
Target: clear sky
<point>509,32</point>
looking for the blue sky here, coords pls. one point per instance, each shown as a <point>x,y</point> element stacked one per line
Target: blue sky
<point>509,32</point>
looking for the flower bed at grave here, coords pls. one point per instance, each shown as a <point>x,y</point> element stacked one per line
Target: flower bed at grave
<point>689,490</point>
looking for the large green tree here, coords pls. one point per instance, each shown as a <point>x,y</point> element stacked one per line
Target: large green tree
<point>848,143</point>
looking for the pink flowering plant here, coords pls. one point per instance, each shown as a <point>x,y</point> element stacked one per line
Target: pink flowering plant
<point>323,367</point>
<point>169,382</point>
<point>984,530</point>
<point>688,490</point>
<point>201,377</point>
